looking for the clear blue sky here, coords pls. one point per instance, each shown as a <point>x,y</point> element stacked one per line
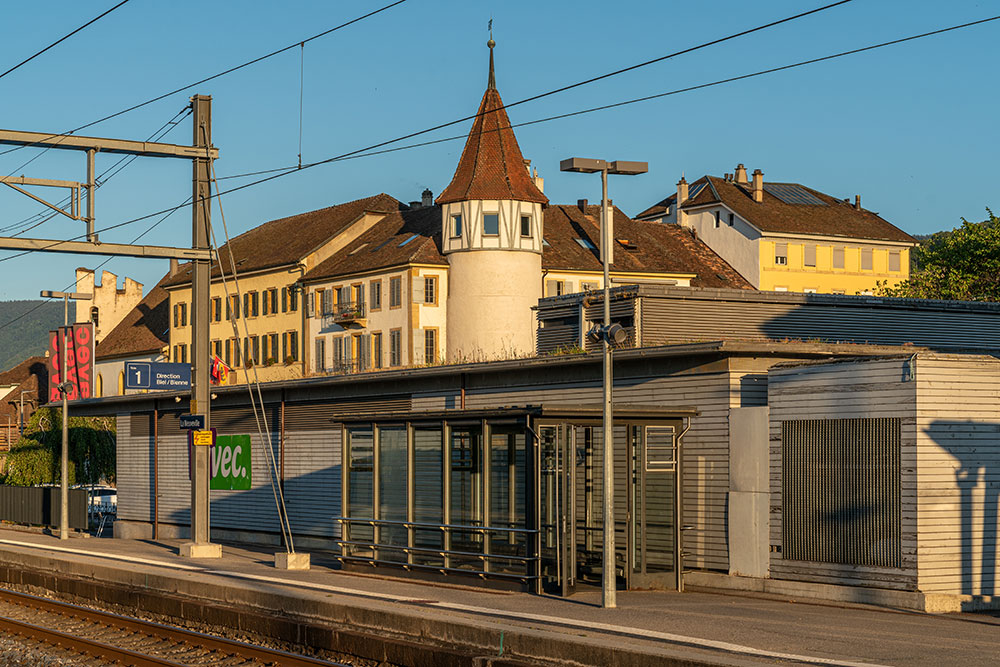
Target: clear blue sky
<point>912,128</point>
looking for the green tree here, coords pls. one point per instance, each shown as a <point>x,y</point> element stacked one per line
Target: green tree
<point>962,264</point>
<point>35,459</point>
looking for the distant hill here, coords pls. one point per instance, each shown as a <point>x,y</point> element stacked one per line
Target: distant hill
<point>24,328</point>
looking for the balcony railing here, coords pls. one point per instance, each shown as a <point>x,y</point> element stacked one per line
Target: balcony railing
<point>351,311</point>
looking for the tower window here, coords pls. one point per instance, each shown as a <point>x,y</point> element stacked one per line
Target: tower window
<point>525,225</point>
<point>456,226</point>
<point>491,224</point>
<point>95,314</point>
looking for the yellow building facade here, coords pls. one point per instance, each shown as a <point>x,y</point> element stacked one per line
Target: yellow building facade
<point>787,237</point>
<point>830,266</point>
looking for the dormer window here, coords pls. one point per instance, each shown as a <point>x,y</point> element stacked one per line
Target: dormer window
<point>456,226</point>
<point>491,224</point>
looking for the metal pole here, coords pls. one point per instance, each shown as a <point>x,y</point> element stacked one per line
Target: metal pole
<point>91,188</point>
<point>200,391</point>
<point>64,481</point>
<point>608,578</point>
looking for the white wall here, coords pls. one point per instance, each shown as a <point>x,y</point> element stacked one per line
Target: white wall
<point>739,245</point>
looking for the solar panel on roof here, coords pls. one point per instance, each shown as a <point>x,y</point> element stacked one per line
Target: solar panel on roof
<point>793,194</point>
<point>695,189</point>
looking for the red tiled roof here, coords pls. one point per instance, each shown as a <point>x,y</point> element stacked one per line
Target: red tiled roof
<point>491,166</point>
<point>287,240</point>
<point>835,218</point>
<point>657,248</point>
<point>145,330</point>
<point>388,243</point>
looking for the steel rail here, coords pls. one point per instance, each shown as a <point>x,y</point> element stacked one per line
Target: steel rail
<point>159,630</point>
<point>72,643</point>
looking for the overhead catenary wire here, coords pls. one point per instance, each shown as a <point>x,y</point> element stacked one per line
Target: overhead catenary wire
<point>218,74</point>
<point>279,172</point>
<point>100,179</point>
<point>273,472</point>
<point>370,150</point>
<point>62,39</point>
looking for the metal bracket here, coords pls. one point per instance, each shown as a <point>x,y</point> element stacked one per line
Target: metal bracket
<point>74,187</point>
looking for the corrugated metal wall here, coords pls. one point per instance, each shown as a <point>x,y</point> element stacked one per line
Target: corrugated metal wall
<point>134,467</point>
<point>671,320</point>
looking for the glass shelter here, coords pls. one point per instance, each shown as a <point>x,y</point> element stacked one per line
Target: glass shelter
<point>512,497</point>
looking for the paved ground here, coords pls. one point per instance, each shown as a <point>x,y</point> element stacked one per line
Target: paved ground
<point>716,628</point>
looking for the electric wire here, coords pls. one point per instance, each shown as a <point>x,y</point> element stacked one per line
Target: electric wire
<point>217,75</point>
<point>101,178</point>
<point>62,39</point>
<point>266,445</point>
<point>369,150</point>
<point>165,130</point>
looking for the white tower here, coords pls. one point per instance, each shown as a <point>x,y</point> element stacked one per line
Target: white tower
<point>491,217</point>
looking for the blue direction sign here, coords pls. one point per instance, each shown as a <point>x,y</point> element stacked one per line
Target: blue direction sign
<point>157,375</point>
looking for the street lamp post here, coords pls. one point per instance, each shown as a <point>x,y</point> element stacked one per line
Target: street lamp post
<point>590,166</point>
<point>64,387</point>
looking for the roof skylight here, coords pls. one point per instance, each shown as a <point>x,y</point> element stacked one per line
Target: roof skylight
<point>408,240</point>
<point>585,243</point>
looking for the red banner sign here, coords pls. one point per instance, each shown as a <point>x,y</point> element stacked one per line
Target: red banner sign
<point>79,361</point>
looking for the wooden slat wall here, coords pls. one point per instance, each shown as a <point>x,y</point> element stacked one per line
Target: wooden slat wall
<point>881,388</point>
<point>958,473</point>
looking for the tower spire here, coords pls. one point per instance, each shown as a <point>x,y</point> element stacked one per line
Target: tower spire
<point>492,84</point>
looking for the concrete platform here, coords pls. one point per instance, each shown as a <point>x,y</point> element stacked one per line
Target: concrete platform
<point>404,622</point>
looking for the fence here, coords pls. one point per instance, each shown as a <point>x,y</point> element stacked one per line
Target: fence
<point>39,506</point>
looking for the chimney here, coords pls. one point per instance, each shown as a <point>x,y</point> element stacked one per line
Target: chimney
<point>741,174</point>
<point>857,202</point>
<point>539,182</point>
<point>682,195</point>
<point>582,205</point>
<point>758,185</point>
<point>414,205</point>
<point>174,266</point>
<point>427,198</point>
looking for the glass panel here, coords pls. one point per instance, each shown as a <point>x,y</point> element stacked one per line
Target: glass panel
<point>465,449</point>
<point>359,482</point>
<point>428,501</point>
<point>491,224</point>
<point>507,460</point>
<point>392,480</point>
<point>550,507</point>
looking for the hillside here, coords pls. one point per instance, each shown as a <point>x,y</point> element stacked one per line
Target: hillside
<point>28,328</point>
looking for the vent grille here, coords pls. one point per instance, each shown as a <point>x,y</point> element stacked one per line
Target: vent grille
<point>840,491</point>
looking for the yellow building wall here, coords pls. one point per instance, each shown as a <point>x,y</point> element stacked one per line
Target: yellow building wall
<point>262,325</point>
<point>795,276</point>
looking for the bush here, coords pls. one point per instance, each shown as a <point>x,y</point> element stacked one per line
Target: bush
<point>35,459</point>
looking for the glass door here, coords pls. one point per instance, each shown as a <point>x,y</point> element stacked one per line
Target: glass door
<point>652,544</point>
<point>557,510</point>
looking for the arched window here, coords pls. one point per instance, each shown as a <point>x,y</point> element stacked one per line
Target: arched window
<point>95,316</point>
<point>121,383</point>
<point>100,385</point>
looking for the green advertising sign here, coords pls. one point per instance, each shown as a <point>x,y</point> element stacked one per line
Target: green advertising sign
<point>231,463</point>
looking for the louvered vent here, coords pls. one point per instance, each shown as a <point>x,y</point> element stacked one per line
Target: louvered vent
<point>840,498</point>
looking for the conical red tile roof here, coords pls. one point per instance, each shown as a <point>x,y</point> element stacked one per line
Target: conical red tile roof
<point>491,166</point>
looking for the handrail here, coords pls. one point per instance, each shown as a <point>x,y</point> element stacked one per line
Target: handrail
<point>490,563</point>
<point>442,526</point>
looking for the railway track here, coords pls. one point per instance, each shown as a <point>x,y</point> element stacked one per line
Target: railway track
<point>113,638</point>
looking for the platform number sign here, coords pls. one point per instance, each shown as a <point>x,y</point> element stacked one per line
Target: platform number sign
<point>231,463</point>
